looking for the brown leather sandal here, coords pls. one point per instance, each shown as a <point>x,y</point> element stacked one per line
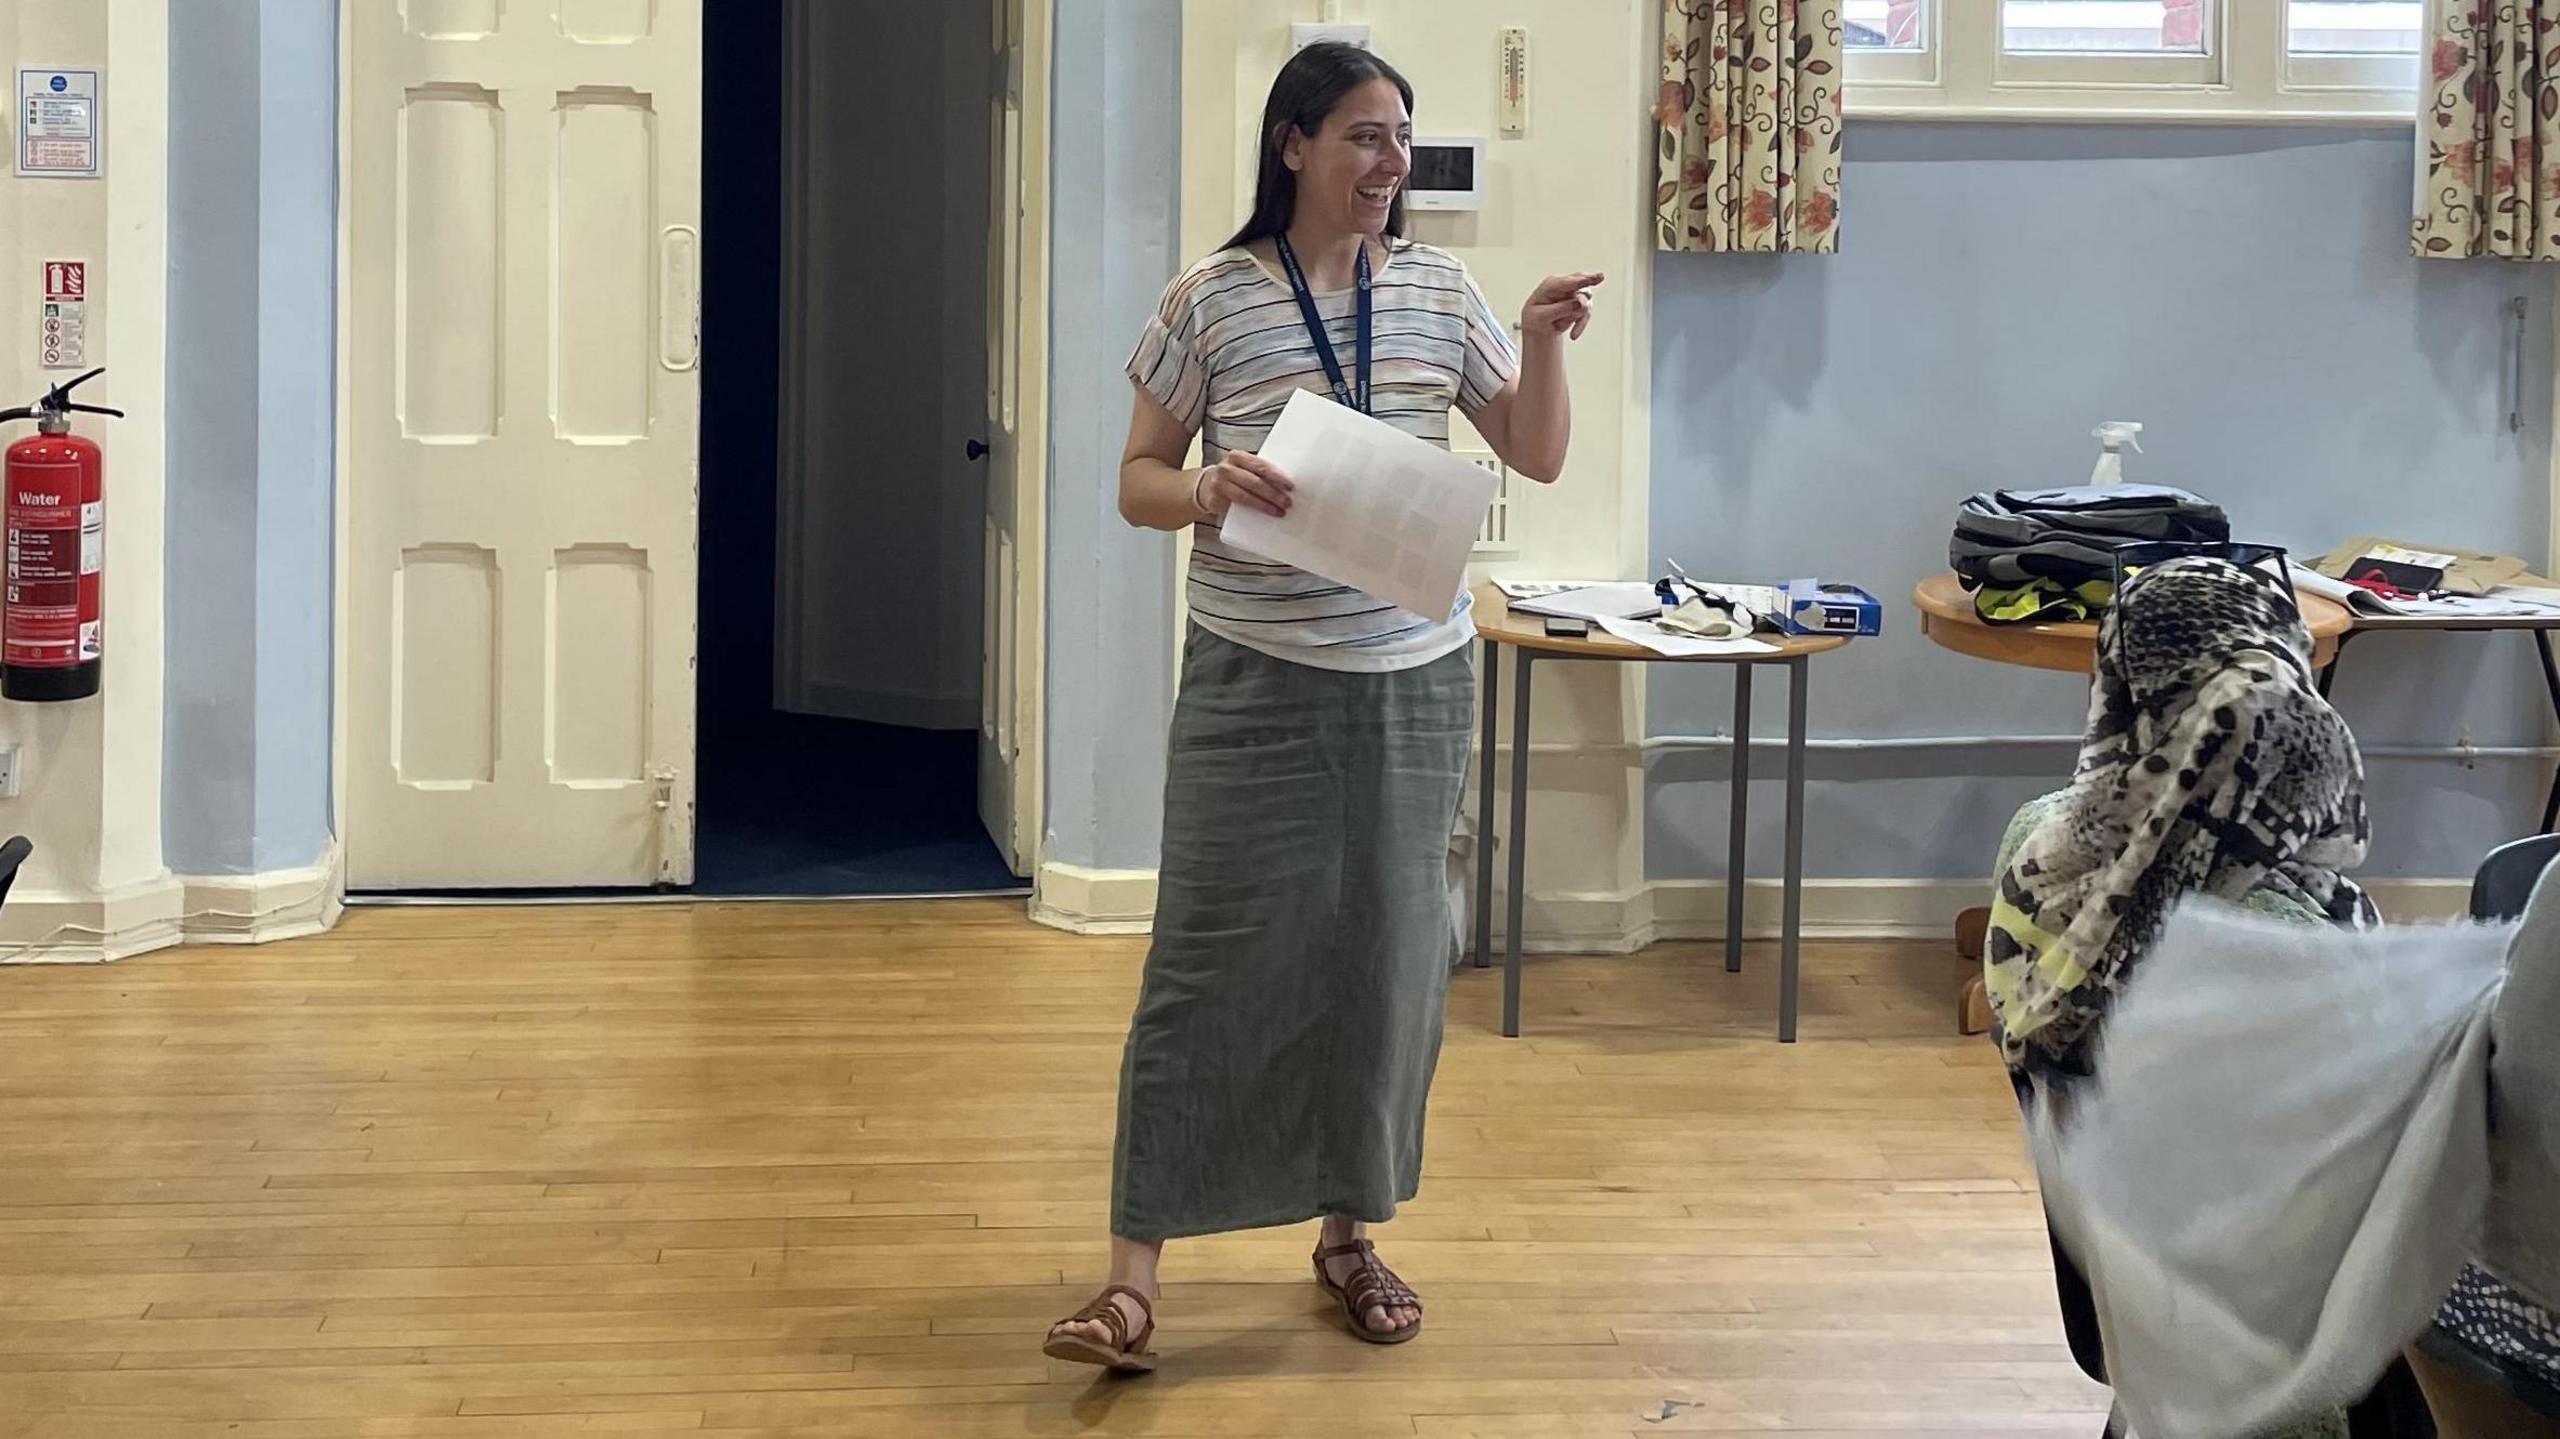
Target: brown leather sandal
<point>1126,1353</point>
<point>1371,1286</point>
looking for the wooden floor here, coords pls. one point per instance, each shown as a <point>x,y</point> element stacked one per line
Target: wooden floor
<point>509,1174</point>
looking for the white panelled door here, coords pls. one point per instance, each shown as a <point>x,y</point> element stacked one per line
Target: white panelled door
<point>523,186</point>
<point>1008,697</point>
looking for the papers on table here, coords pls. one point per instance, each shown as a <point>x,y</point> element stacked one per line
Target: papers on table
<point>1766,600</point>
<point>2504,602</point>
<point>2491,606</point>
<point>1598,600</point>
<point>1628,609</point>
<point>1374,508</point>
<point>1680,647</point>
<point>1616,600</point>
<point>1540,589</point>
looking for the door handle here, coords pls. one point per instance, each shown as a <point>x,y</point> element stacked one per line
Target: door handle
<point>978,450</point>
<point>680,298</point>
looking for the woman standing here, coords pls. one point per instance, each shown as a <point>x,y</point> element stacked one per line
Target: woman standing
<point>1289,1021</point>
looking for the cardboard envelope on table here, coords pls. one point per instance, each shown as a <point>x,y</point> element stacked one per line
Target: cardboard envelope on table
<point>2467,572</point>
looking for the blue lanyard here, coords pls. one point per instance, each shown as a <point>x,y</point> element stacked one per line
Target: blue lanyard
<point>1315,326</point>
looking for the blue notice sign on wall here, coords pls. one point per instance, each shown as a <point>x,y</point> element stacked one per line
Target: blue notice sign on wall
<point>61,130</point>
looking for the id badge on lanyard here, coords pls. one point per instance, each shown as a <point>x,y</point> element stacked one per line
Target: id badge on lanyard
<point>1344,392</point>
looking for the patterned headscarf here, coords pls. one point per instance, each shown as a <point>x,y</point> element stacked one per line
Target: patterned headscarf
<point>2212,766</point>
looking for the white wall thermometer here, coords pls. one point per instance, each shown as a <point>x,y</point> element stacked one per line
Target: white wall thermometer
<point>1512,118</point>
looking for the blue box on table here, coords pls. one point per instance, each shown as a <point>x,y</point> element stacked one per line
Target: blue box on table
<point>1816,608</point>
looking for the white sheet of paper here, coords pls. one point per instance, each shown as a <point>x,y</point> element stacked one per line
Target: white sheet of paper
<point>1375,508</point>
<point>2533,599</point>
<point>1759,599</point>
<point>1681,647</point>
<point>2401,555</point>
<point>1616,600</point>
<point>1540,589</point>
<point>2325,586</point>
<point>2473,607</point>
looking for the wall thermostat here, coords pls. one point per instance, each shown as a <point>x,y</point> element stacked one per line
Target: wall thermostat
<point>1306,33</point>
<point>1448,173</point>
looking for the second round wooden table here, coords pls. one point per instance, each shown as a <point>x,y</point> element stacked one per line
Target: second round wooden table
<point>1948,618</point>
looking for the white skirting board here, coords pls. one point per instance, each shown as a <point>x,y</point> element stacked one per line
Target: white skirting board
<point>40,928</point>
<point>1094,901</point>
<point>1084,901</point>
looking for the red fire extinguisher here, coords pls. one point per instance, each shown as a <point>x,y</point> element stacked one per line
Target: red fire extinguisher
<point>52,631</point>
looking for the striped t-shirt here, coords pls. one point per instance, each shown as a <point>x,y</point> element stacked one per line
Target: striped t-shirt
<point>1223,354</point>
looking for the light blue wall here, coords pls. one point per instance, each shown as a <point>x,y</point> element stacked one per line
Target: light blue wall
<point>1115,179</point>
<point>2247,293</point>
<point>251,374</point>
<point>208,786</point>
<point>297,425</point>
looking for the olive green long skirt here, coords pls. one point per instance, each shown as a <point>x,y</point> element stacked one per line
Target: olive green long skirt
<point>1289,1020</point>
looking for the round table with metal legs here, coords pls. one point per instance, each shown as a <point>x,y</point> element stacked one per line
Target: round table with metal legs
<point>1500,628</point>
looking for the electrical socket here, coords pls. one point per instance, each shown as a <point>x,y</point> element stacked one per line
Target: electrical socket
<point>8,771</point>
<point>1306,33</point>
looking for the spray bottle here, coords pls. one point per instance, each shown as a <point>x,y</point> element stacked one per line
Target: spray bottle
<point>2114,438</point>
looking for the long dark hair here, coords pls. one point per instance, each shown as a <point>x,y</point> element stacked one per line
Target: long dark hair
<point>1304,95</point>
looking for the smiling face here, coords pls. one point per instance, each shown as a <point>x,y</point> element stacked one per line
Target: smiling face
<point>1349,171</point>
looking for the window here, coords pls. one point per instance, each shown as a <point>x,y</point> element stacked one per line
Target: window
<point>1890,41</point>
<point>1882,25</point>
<point>2134,59</point>
<point>2357,27</point>
<point>2146,43</point>
<point>2353,44</point>
<point>2102,27</point>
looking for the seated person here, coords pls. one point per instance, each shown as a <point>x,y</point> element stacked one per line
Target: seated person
<point>2211,766</point>
<point>2214,767</point>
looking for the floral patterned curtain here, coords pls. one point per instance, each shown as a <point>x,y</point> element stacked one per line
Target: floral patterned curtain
<point>2489,111</point>
<point>1750,118</point>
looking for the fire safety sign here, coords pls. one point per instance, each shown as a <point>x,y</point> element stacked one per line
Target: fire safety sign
<point>64,345</point>
<point>61,133</point>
